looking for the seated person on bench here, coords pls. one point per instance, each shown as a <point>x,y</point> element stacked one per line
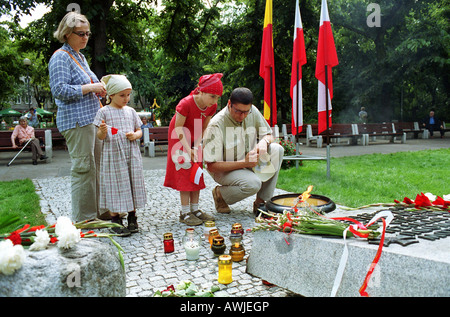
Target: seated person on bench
<point>24,133</point>
<point>432,123</point>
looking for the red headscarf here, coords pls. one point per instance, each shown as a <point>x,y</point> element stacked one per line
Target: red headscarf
<point>210,84</point>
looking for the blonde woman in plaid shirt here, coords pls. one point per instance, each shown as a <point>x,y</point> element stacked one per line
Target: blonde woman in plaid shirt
<point>76,90</point>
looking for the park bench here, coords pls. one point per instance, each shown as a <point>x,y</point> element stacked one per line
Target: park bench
<point>286,132</point>
<point>426,132</point>
<point>299,157</point>
<point>6,145</point>
<point>58,139</point>
<point>156,136</point>
<point>312,135</point>
<point>410,127</point>
<point>44,136</point>
<point>339,131</point>
<point>336,132</point>
<point>374,130</point>
<point>445,128</point>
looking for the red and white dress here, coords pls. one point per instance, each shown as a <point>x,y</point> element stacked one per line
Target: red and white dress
<point>179,165</point>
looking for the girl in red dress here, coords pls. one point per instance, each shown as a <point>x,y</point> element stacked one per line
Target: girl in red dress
<point>192,116</point>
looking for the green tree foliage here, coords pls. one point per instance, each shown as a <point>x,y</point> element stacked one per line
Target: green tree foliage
<point>398,70</point>
<point>10,67</point>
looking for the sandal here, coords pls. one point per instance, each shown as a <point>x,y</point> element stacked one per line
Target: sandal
<point>190,219</point>
<point>202,216</point>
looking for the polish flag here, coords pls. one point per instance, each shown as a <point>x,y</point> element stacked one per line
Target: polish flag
<point>196,173</point>
<point>298,59</point>
<point>326,55</point>
<point>112,131</point>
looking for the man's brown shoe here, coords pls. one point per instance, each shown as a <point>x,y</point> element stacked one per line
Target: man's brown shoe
<point>258,204</point>
<point>221,205</point>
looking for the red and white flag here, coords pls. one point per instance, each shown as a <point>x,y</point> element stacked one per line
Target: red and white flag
<point>298,59</point>
<point>326,55</point>
<point>196,173</point>
<point>111,130</point>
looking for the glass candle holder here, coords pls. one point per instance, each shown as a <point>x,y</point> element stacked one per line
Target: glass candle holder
<point>168,243</point>
<point>218,246</point>
<point>191,243</point>
<point>237,252</point>
<point>212,234</point>
<point>237,233</point>
<point>209,225</point>
<point>235,236</point>
<point>237,226</point>
<point>225,269</point>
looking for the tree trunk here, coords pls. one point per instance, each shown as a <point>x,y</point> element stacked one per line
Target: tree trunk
<point>99,44</point>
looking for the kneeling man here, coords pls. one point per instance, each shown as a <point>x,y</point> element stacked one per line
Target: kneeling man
<point>240,154</point>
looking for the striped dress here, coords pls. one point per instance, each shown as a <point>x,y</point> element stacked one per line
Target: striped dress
<point>122,186</point>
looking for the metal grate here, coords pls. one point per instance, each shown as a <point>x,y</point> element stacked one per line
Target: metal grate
<point>409,226</point>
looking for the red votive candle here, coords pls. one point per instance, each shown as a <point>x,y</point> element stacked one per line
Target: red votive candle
<point>168,243</point>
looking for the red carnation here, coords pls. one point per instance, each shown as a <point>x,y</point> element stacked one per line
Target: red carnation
<point>15,238</point>
<point>441,202</point>
<point>422,201</point>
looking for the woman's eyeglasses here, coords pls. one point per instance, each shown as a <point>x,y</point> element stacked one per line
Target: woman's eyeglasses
<point>240,111</point>
<point>83,34</point>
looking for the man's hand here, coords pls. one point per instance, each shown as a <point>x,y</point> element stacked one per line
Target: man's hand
<point>261,147</point>
<point>252,158</point>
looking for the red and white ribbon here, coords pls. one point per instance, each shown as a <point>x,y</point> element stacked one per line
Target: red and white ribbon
<point>353,228</point>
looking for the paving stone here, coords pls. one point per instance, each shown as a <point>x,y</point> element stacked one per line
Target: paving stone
<point>147,267</point>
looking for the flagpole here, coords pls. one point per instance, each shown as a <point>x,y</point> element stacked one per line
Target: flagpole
<point>326,104</point>
<point>297,103</point>
<point>271,98</point>
<point>328,123</point>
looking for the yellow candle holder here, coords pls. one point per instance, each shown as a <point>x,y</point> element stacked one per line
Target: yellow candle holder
<point>225,269</point>
<point>237,252</point>
<point>212,234</point>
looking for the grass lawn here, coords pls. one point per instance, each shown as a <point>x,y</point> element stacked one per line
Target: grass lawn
<point>19,197</point>
<point>375,178</point>
<point>355,181</point>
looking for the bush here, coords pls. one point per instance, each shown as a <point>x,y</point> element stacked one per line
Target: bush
<point>289,149</point>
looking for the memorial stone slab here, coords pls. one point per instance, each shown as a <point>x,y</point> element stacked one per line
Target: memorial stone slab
<point>307,264</point>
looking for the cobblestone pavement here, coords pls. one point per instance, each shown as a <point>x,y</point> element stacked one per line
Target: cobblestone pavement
<point>147,267</point>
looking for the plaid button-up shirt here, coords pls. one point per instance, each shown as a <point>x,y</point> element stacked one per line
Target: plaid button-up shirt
<point>66,79</point>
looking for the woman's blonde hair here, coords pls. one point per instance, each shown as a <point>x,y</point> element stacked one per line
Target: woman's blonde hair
<point>68,23</point>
